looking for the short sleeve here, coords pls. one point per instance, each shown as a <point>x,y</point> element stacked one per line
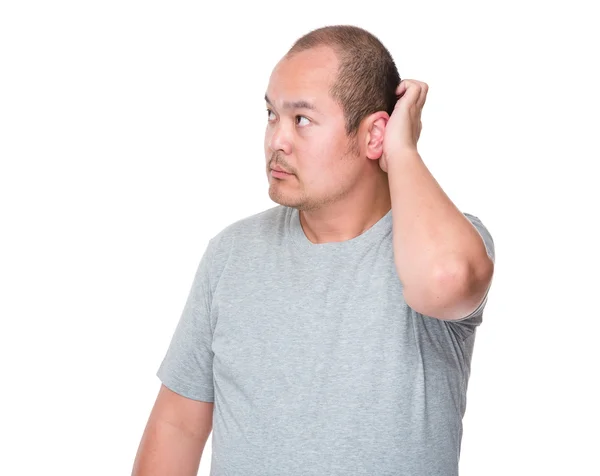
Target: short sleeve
<point>467,324</point>
<point>187,366</point>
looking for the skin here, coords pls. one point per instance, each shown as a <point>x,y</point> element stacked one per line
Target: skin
<point>175,436</point>
<point>340,186</point>
<point>337,183</point>
<point>343,186</point>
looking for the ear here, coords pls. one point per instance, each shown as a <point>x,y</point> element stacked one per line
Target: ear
<point>375,131</point>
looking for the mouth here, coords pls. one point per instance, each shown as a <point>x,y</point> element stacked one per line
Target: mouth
<point>279,169</point>
<point>280,173</point>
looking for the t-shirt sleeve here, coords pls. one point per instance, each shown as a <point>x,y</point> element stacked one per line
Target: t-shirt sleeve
<point>187,366</point>
<point>468,323</point>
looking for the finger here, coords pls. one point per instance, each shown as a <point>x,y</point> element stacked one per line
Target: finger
<point>422,95</point>
<point>411,94</point>
<point>401,89</point>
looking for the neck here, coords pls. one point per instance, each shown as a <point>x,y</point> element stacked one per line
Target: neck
<point>349,218</point>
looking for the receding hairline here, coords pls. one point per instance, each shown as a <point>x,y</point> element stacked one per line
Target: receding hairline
<point>299,104</point>
<point>304,103</point>
<point>367,77</point>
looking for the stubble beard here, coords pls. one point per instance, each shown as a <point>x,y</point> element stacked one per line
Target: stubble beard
<point>304,202</point>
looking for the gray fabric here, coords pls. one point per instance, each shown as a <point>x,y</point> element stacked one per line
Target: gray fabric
<point>315,362</point>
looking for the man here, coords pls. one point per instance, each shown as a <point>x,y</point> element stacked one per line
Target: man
<point>331,334</point>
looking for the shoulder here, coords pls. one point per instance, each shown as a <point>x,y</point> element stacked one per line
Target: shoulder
<point>255,228</point>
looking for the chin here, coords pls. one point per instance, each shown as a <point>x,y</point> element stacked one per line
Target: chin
<point>284,199</point>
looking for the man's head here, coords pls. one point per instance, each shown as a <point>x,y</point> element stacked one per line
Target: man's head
<point>328,101</point>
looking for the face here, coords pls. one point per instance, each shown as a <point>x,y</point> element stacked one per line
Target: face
<point>305,134</point>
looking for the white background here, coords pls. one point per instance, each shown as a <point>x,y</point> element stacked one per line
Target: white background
<point>131,132</point>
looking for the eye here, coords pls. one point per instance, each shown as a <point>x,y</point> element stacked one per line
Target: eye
<point>303,117</point>
<point>269,112</point>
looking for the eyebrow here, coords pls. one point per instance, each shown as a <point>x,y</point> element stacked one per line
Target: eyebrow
<point>301,104</point>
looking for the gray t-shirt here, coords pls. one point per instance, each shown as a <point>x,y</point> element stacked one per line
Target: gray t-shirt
<point>315,363</point>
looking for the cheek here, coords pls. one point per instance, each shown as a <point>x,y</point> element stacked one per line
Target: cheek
<point>322,151</point>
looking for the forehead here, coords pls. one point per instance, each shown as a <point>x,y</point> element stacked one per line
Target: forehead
<point>307,75</point>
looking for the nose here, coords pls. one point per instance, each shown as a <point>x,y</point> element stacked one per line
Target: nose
<point>278,138</point>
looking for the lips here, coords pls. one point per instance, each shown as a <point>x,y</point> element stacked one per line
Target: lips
<point>279,169</point>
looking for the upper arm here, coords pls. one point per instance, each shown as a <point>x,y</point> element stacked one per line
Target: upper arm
<point>187,367</point>
<point>193,417</point>
<point>174,437</point>
<point>467,324</point>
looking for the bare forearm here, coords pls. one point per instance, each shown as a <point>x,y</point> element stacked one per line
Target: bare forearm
<point>432,237</point>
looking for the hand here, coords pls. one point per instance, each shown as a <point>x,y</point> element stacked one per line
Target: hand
<point>403,128</point>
